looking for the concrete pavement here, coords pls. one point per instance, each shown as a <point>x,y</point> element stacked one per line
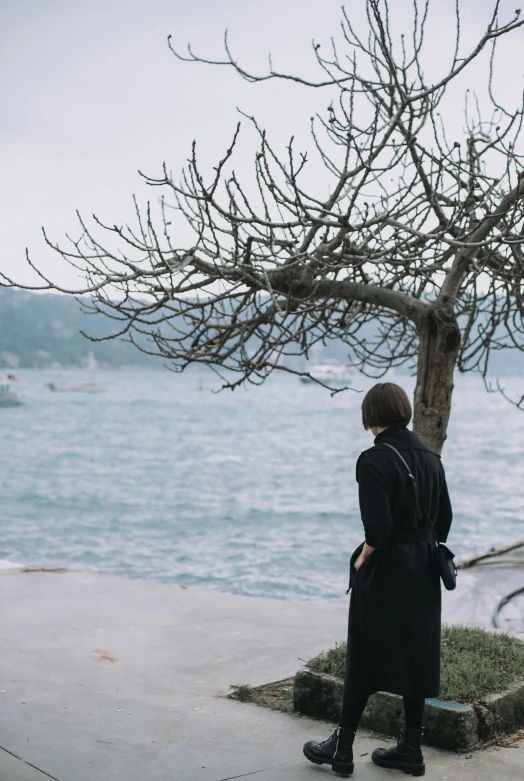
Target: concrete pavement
<point>108,679</point>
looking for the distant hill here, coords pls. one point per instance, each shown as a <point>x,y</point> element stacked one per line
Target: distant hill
<point>43,330</point>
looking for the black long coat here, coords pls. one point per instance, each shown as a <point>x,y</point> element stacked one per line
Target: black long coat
<point>395,605</point>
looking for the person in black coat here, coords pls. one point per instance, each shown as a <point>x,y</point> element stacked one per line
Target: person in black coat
<point>395,605</point>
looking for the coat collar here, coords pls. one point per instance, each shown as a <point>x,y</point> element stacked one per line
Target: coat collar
<point>403,438</point>
<point>394,427</point>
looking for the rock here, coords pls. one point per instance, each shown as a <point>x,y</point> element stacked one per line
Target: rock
<point>452,725</point>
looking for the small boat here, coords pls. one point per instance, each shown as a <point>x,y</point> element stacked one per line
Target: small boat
<point>82,387</point>
<point>332,373</point>
<point>9,396</point>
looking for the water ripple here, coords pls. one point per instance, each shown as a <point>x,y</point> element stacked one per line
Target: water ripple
<point>252,492</point>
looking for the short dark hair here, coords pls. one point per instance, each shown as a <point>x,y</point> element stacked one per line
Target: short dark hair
<point>385,403</point>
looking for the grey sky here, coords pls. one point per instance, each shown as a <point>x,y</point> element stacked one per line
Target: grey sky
<point>90,93</point>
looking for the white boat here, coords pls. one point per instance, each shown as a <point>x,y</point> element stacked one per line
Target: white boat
<point>332,373</point>
<point>82,387</point>
<point>9,396</point>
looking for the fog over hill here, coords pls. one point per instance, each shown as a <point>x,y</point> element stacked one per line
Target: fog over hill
<point>44,330</point>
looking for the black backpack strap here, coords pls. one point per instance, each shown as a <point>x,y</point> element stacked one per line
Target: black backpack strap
<point>415,488</point>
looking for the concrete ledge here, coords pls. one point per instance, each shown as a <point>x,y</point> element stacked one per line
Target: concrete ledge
<point>451,725</point>
<point>502,712</point>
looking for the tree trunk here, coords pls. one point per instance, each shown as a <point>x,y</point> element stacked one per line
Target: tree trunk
<point>439,344</point>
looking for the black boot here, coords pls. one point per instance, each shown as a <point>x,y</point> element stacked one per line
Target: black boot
<point>336,751</point>
<point>406,755</point>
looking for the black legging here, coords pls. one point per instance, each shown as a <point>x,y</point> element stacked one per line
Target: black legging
<point>354,704</point>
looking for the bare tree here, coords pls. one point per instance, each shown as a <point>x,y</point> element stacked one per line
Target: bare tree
<point>420,237</point>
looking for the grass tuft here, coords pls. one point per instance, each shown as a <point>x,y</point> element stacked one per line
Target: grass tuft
<point>276,696</point>
<point>242,692</point>
<point>475,663</point>
<point>332,662</point>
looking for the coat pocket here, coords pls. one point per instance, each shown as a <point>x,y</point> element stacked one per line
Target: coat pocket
<point>352,571</point>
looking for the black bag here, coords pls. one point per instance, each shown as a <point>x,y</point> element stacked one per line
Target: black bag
<point>445,557</point>
<point>448,570</point>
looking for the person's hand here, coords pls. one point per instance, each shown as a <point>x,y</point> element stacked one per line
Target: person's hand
<point>367,550</point>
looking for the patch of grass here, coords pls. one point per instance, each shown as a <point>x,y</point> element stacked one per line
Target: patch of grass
<point>242,692</point>
<point>277,695</point>
<point>332,662</point>
<point>475,663</point>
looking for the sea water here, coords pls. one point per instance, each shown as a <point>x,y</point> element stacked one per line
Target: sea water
<point>159,477</point>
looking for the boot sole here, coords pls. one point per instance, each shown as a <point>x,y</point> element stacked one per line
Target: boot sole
<point>410,770</point>
<point>343,770</point>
